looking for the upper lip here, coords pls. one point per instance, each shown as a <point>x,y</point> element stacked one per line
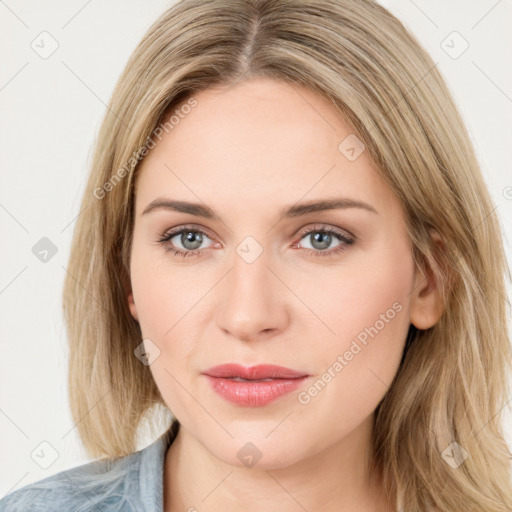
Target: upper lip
<point>261,371</point>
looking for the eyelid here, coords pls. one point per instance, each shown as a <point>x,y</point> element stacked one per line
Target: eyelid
<point>325,227</point>
<point>191,227</point>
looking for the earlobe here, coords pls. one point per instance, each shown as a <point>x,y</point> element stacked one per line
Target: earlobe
<point>132,306</point>
<point>127,289</point>
<point>426,305</point>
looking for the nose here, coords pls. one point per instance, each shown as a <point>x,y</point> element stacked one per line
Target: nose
<point>253,302</point>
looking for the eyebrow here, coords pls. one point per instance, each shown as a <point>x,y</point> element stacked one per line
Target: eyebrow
<point>296,210</point>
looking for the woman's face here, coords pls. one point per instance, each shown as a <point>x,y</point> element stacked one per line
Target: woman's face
<point>261,288</point>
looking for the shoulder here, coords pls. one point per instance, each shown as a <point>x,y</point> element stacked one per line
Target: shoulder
<point>93,486</point>
<point>131,483</point>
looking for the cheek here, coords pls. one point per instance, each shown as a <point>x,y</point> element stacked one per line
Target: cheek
<point>168,302</point>
<point>166,315</point>
<point>356,297</point>
<point>368,312</point>
<point>161,295</point>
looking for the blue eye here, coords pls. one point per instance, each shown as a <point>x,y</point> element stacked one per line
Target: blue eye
<point>191,238</point>
<point>322,237</point>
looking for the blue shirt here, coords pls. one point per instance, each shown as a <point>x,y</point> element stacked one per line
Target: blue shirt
<point>133,483</point>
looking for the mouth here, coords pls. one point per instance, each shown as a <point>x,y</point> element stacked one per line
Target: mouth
<point>254,386</point>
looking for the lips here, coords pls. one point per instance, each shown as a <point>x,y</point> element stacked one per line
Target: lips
<point>255,386</point>
<point>260,372</point>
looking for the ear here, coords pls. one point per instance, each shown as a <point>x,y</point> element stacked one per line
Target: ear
<point>127,287</point>
<point>132,306</point>
<point>426,306</point>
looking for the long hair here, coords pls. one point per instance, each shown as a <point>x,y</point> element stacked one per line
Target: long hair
<point>437,436</point>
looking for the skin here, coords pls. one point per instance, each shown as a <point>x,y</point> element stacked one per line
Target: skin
<point>247,151</point>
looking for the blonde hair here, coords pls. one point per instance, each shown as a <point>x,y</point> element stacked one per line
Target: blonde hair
<point>452,382</point>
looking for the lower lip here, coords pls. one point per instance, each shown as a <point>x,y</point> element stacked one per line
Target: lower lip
<point>253,394</point>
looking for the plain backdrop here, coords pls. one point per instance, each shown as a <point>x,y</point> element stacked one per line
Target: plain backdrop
<point>51,108</point>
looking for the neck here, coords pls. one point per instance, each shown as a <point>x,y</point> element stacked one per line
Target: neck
<point>334,479</point>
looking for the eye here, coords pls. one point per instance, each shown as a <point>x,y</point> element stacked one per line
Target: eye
<point>189,237</point>
<point>321,237</point>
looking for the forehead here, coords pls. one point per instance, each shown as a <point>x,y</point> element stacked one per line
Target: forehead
<point>258,143</point>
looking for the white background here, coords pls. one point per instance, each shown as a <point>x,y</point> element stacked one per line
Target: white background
<point>50,112</point>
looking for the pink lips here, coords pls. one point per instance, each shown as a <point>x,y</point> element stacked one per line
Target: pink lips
<point>255,386</point>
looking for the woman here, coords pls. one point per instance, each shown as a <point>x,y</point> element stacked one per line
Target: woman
<point>286,241</point>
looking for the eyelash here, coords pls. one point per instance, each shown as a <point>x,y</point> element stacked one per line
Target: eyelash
<point>346,241</point>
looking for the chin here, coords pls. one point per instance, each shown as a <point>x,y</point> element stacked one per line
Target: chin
<point>256,452</point>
